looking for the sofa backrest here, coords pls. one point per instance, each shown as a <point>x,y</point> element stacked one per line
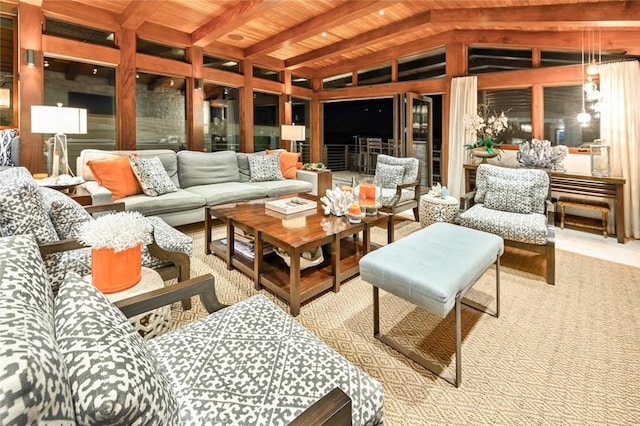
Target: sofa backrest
<point>204,168</point>
<point>536,180</point>
<point>33,377</point>
<point>166,156</point>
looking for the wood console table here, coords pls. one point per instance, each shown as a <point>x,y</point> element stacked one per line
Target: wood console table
<point>577,184</point>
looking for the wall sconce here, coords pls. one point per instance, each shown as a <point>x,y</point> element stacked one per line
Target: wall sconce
<point>30,56</point>
<point>198,83</point>
<point>289,99</point>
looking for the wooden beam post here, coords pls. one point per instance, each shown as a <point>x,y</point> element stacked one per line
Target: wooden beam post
<point>246,108</point>
<point>126,91</point>
<point>195,99</point>
<point>286,107</point>
<point>316,141</point>
<point>31,86</point>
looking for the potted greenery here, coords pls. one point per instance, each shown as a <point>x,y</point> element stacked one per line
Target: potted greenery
<point>486,125</point>
<point>116,245</point>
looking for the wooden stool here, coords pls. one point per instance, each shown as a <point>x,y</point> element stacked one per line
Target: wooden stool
<point>601,206</point>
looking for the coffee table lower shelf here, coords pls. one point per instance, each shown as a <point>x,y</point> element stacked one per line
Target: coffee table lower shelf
<point>315,280</point>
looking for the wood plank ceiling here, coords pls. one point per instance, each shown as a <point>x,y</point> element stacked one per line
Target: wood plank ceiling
<point>316,38</point>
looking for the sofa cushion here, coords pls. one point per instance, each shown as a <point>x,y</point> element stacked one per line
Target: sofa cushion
<point>265,167</point>
<point>65,213</point>
<point>229,192</point>
<point>22,209</point>
<point>116,175</point>
<point>275,188</point>
<point>34,384</point>
<point>114,378</point>
<point>165,203</point>
<point>243,166</point>
<point>151,175</point>
<point>251,362</point>
<point>388,175</point>
<point>508,196</point>
<point>527,228</point>
<point>6,137</point>
<point>203,168</point>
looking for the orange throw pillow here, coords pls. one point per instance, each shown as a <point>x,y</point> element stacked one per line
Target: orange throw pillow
<point>116,175</point>
<point>288,162</point>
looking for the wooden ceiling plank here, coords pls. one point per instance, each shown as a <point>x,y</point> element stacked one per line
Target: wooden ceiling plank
<point>86,15</point>
<point>330,19</point>
<point>235,17</point>
<point>388,31</point>
<point>602,14</point>
<point>137,12</point>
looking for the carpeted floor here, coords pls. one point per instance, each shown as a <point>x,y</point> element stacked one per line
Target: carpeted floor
<point>563,354</point>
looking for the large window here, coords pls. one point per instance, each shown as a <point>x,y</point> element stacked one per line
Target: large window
<point>221,64</point>
<point>300,116</point>
<point>266,121</point>
<point>423,66</point>
<point>516,104</point>
<point>7,81</point>
<point>82,85</point>
<point>160,112</point>
<point>561,108</point>
<point>221,118</point>
<point>487,60</point>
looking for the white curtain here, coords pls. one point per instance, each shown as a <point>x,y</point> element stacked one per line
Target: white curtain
<point>464,101</point>
<point>620,127</point>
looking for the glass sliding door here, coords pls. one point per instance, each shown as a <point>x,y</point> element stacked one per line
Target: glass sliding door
<point>415,119</point>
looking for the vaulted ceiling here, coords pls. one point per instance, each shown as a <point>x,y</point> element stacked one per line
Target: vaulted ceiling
<point>321,37</point>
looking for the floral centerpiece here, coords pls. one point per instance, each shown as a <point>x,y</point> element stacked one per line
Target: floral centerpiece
<point>486,125</point>
<point>116,245</point>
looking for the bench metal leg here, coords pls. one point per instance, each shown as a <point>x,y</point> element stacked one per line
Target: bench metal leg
<point>482,309</point>
<point>419,358</point>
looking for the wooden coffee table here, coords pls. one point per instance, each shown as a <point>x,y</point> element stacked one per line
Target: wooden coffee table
<point>294,237</point>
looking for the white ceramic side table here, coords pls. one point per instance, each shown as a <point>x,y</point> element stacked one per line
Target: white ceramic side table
<point>436,209</point>
<point>149,324</point>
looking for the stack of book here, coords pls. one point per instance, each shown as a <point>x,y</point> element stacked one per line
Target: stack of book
<point>244,244</point>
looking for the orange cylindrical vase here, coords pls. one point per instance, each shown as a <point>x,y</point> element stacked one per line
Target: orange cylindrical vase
<point>112,272</point>
<point>367,194</point>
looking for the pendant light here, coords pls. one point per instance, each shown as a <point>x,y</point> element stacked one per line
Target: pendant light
<point>584,117</point>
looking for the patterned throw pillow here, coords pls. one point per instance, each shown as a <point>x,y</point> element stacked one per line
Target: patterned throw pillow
<point>65,213</point>
<point>508,196</point>
<point>152,176</point>
<point>265,167</point>
<point>34,385</point>
<point>6,136</point>
<point>114,378</point>
<point>22,209</point>
<point>388,176</point>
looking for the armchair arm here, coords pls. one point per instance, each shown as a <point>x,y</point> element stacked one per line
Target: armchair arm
<point>399,188</point>
<point>107,207</point>
<point>551,212</point>
<point>332,409</point>
<point>202,286</point>
<point>467,200</point>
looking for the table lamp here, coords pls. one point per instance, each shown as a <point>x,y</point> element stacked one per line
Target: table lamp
<point>59,121</point>
<point>292,133</point>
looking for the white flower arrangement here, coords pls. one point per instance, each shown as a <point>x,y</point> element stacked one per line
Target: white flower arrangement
<point>117,231</point>
<point>486,126</point>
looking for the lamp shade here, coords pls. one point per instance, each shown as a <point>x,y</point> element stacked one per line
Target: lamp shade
<point>53,119</point>
<point>291,132</point>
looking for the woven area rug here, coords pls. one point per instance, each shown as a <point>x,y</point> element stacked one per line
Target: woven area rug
<point>563,354</point>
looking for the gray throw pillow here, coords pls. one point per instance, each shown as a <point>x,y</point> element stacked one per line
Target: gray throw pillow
<point>65,213</point>
<point>114,378</point>
<point>388,176</point>
<point>6,137</point>
<point>265,167</point>
<point>508,196</point>
<point>152,176</point>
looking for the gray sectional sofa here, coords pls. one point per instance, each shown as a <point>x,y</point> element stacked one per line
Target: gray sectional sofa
<point>203,179</point>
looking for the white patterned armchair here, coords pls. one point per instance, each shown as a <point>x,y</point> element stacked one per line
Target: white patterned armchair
<point>516,205</point>
<point>399,183</point>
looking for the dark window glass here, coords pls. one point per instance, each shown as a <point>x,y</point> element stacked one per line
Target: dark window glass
<point>561,108</point>
<point>426,66</point>
<point>338,81</point>
<point>487,60</point>
<point>266,121</point>
<point>221,117</point>
<point>266,74</point>
<point>300,81</point>
<point>221,64</point>
<point>160,50</point>
<point>516,104</point>
<point>62,29</point>
<point>374,76</point>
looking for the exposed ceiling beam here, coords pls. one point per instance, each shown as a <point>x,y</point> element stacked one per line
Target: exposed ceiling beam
<point>388,31</point>
<point>601,14</point>
<point>86,15</point>
<point>422,45</point>
<point>314,26</point>
<point>137,12</point>
<point>235,17</point>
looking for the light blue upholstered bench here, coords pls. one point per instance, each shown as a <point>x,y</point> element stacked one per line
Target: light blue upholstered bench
<point>432,268</point>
